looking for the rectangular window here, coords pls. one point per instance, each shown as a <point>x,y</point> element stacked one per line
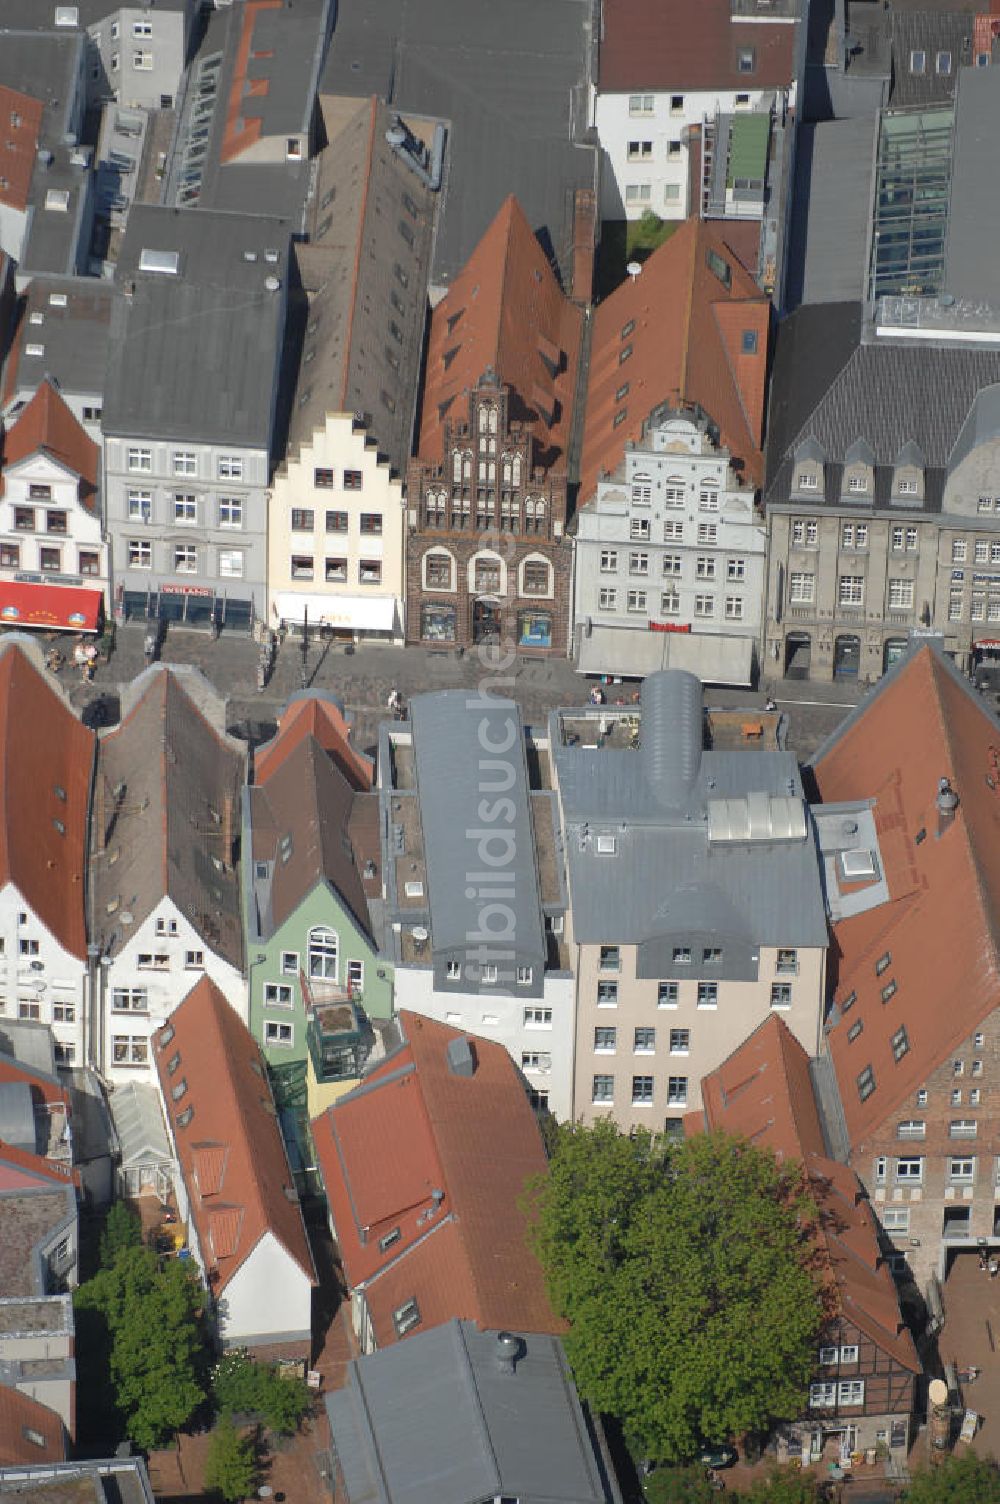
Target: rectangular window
<point>958,551</point>
<point>805,532</point>
<point>909,1169</point>
<point>636,600</point>
<point>822,1396</point>
<point>712,955</point>
<point>140,554</point>
<point>50,560</point>
<point>851,590</point>
<point>370,571</point>
<point>781,994</point>
<point>670,603</point>
<point>610,958</point>
<point>523,976</point>
<point>866,1083</point>
<point>677,1091</point>
<point>139,505</point>
<point>896,1218</point>
<point>140,459</point>
<point>705,567</point>
<point>734,608</point>
<point>736,570</point>
<point>900,595</point>
<point>353,480</point>
<point>607,600</point>
<point>667,994</point>
<point>640,104</point>
<point>963,1170</point>
<point>605,1040</point>
<point>185,463</point>
<point>277,994</point>
<point>534,1018</point>
<point>323,479</point>
<point>185,510</point>
<point>604,1089</point>
<point>644,1041</point>
<point>129,1049</point>
<point>535,1060</point>
<point>371,523</point>
<point>129,1000</point>
<point>642,1091</point>
<point>708,994</point>
<point>787,963</point>
<point>671,564</point>
<point>282,1035</point>
<point>639,529</point>
<point>10,555</point>
<point>289,963</point>
<point>303,520</point>
<point>963,1128</point>
<point>801,589</point>
<point>607,994</point>
<point>704,605</point>
<point>638,563</point>
<point>185,558</point>
<point>851,1392</point>
<point>609,560</point>
<point>912,1128</point>
<point>230,467</point>
<point>708,533</point>
<point>680,1041</point>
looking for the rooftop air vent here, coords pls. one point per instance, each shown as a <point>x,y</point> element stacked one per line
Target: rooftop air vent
<point>507,1350</point>
<point>461,1057</point>
<point>58,199</point>
<point>272,283</point>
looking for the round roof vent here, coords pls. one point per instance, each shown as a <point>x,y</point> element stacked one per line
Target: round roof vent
<point>633,269</point>
<point>272,283</point>
<point>395,135</point>
<point>420,935</point>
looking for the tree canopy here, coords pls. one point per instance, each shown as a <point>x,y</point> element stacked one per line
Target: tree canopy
<point>231,1464</point>
<point>149,1314</point>
<point>241,1386</point>
<point>960,1478</point>
<point>688,1272</point>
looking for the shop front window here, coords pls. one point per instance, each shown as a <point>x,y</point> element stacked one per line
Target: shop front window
<point>534,629</point>
<point>437,623</point>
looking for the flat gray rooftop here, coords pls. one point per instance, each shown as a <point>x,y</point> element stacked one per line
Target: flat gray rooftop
<point>511,80</point>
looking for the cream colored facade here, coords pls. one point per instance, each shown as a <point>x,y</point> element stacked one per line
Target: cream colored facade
<point>336,533</point>
<point>655,1077</point>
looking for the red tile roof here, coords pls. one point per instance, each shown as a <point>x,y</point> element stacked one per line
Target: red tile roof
<point>684,327</point>
<point>689,44</point>
<point>311,715</point>
<point>941,925</point>
<point>444,1159</point>
<point>29,1431</point>
<point>763,1093</point>
<point>47,424</point>
<point>231,1151</point>
<point>20,124</point>
<point>505,311</point>
<point>46,760</point>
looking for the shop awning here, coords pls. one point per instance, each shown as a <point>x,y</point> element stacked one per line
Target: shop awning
<point>354,613</point>
<point>633,654</point>
<point>57,608</point>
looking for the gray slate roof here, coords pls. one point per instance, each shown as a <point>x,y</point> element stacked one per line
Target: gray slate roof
<point>885,394</point>
<point>929,32</point>
<point>830,212</point>
<point>434,1420</point>
<point>307,799</point>
<point>197,353</point>
<point>511,81</point>
<point>665,877</point>
<point>971,268</point>
<point>455,772</point>
<point>75,337</point>
<point>167,775</point>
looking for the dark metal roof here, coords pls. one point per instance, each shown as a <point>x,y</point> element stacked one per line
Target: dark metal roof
<point>510,80</point>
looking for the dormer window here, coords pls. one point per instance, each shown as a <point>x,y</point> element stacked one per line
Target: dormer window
<point>857,483</point>
<point>808,480</point>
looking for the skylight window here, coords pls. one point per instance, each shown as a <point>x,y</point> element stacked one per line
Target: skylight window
<point>858,865</point>
<point>166,263</point>
<point>58,199</point>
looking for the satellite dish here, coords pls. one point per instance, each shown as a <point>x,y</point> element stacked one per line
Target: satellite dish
<point>127,917</point>
<point>420,934</point>
<point>937,1392</point>
<point>633,269</point>
<point>38,985</point>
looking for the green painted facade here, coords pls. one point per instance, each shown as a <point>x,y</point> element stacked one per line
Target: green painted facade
<point>302,945</point>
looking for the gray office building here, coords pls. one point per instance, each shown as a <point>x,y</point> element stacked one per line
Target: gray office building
<point>190,413</point>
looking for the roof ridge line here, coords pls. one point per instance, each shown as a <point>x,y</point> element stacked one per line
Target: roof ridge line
<point>362,217</point>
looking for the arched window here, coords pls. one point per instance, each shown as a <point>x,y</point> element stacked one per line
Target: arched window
<point>438,566</point>
<point>323,954</point>
<point>487,419</point>
<point>517,469</point>
<point>506,470</point>
<point>456,465</point>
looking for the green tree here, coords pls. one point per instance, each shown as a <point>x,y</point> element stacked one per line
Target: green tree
<point>231,1463</point>
<point>961,1478</point>
<point>241,1385</point>
<point>151,1313</point>
<point>687,1272</point>
<point>122,1229</point>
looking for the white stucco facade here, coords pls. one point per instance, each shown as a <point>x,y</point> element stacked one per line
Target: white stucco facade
<point>646,140</point>
<point>145,980</point>
<point>45,529</point>
<point>538,1033</point>
<point>673,542</point>
<point>336,535</point>
<point>268,1299</point>
<point>40,980</point>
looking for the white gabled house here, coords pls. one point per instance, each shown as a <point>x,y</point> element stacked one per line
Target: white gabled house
<point>165,896</point>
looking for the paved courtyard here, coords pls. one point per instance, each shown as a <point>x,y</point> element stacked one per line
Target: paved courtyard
<point>362,677</point>
<point>969,1340</point>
